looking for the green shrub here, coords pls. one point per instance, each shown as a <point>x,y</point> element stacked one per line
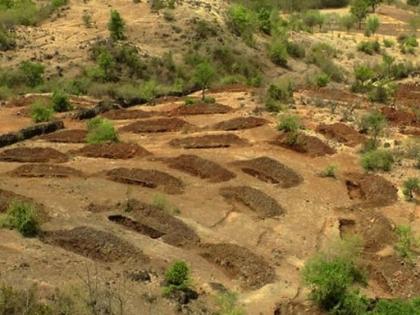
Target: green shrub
<point>278,53</point>
<point>41,112</point>
<point>330,171</point>
<point>116,26</point>
<point>177,277</point>
<point>377,160</point>
<point>7,40</point>
<point>204,74</point>
<point>227,303</point>
<point>22,216</point>
<point>347,21</point>
<point>100,131</point>
<point>369,47</point>
<point>373,123</point>
<point>388,43</point>
<point>313,18</point>
<point>410,186</point>
<point>278,94</point>
<point>397,307</point>
<point>372,25</point>
<point>289,123</point>
<point>33,73</point>
<point>382,92</point>
<point>406,243</point>
<point>408,43</point>
<point>321,79</point>
<point>322,55</point>
<point>60,101</point>
<point>295,50</point>
<point>242,21</point>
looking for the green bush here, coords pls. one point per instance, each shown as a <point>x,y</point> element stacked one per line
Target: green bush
<point>289,123</point>
<point>410,186</point>
<point>177,277</point>
<point>377,160</point>
<point>60,101</point>
<point>388,43</point>
<point>321,79</point>
<point>279,93</point>
<point>7,40</point>
<point>330,171</point>
<point>33,73</point>
<point>278,53</point>
<point>322,55</point>
<point>296,50</point>
<point>407,243</point>
<point>100,131</point>
<point>41,112</point>
<point>242,21</point>
<point>408,43</point>
<point>369,47</point>
<point>204,74</point>
<point>227,302</point>
<point>382,92</point>
<point>116,26</point>
<point>397,307</point>
<point>22,216</point>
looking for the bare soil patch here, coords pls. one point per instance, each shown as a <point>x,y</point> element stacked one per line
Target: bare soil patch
<point>156,125</point>
<point>200,109</point>
<point>27,100</point>
<point>270,171</point>
<point>341,133</point>
<point>45,170</point>
<point>370,190</point>
<point>332,94</point>
<point>147,178</point>
<point>124,114</point>
<point>401,118</point>
<point>240,263</point>
<point>231,88</point>
<point>208,141</point>
<point>112,151</point>
<point>310,145</point>
<point>33,155</point>
<point>199,167</point>
<point>6,197</point>
<point>240,123</point>
<point>259,202</point>
<point>408,95</point>
<point>94,244</point>
<point>67,136</point>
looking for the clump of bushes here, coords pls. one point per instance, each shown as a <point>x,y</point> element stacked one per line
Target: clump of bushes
<point>322,55</point>
<point>278,52</point>
<point>406,243</point>
<point>22,216</point>
<point>330,171</point>
<point>41,112</point>
<point>242,22</point>
<point>101,130</point>
<point>116,26</point>
<point>291,125</point>
<point>408,44</point>
<point>410,186</point>
<point>60,101</point>
<point>369,47</point>
<point>278,94</point>
<point>376,160</point>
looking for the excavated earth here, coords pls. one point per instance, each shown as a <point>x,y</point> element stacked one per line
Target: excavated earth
<point>33,155</point>
<point>112,151</point>
<point>208,141</point>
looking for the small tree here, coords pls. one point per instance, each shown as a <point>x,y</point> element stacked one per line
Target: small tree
<point>101,131</point>
<point>33,73</point>
<point>41,112</point>
<point>374,123</point>
<point>407,243</point>
<point>411,185</point>
<point>116,25</point>
<point>61,101</point>
<point>359,9</point>
<point>372,25</point>
<point>374,4</point>
<point>347,21</point>
<point>22,217</point>
<point>177,277</point>
<point>203,76</point>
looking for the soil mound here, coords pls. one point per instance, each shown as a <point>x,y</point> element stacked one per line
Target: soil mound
<point>33,155</point>
<point>370,190</point>
<point>408,95</point>
<point>259,202</point>
<point>200,109</point>
<point>310,145</point>
<point>156,125</point>
<point>45,170</point>
<point>123,114</point>
<point>240,123</point>
<point>113,151</point>
<point>208,142</point>
<point>270,171</point>
<point>67,136</point>
<point>147,178</point>
<point>94,244</point>
<point>199,167</point>
<point>135,226</point>
<point>341,133</point>
<point>240,263</point>
<point>400,118</point>
<point>6,197</point>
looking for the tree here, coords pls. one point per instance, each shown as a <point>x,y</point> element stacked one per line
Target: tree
<point>203,76</point>
<point>347,21</point>
<point>372,25</point>
<point>374,3</point>
<point>359,9</point>
<point>411,185</point>
<point>116,25</point>
<point>374,123</point>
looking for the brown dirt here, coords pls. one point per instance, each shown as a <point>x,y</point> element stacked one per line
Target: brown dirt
<point>200,109</point>
<point>240,263</point>
<point>45,170</point>
<point>400,118</point>
<point>123,114</point>
<point>262,204</point>
<point>310,145</point>
<point>208,142</point>
<point>270,171</point>
<point>370,190</point>
<point>156,125</point>
<point>231,88</point>
<point>333,94</point>
<point>342,133</point>
<point>294,308</point>
<point>147,178</point>
<point>27,100</point>
<point>156,222</point>
<point>112,151</point>
<point>67,136</point>
<point>135,226</point>
<point>6,197</point>
<point>94,244</point>
<point>197,166</point>
<point>33,155</point>
<point>240,123</point>
<point>408,95</point>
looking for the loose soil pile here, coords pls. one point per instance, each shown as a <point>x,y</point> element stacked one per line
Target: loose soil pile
<point>156,125</point>
<point>113,151</point>
<point>200,109</point>
<point>94,244</point>
<point>342,133</point>
<point>33,155</point>
<point>147,178</point>
<point>270,171</point>
<point>123,114</point>
<point>240,123</point>
<point>6,197</point>
<point>370,190</point>
<point>199,167</point>
<point>208,142</point>
<point>400,118</point>
<point>67,136</point>
<point>262,204</point>
<point>310,145</point>
<point>135,226</point>
<point>240,263</point>
<point>45,170</point>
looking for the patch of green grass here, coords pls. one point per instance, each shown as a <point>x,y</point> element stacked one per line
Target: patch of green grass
<point>101,130</point>
<point>377,160</point>
<point>22,216</point>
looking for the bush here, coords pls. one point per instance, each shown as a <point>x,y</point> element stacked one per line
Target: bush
<point>60,102</point>
<point>100,131</point>
<point>227,302</point>
<point>408,43</point>
<point>382,92</point>
<point>281,92</point>
<point>377,160</point>
<point>7,40</point>
<point>289,123</point>
<point>33,73</point>
<point>321,79</point>
<point>296,50</point>
<point>41,112</point>
<point>369,47</point>
<point>329,171</point>
<point>22,216</point>
<point>406,243</point>
<point>410,186</point>
<point>204,74</point>
<point>278,53</point>
<point>322,55</point>
<point>177,277</point>
<point>388,43</point>
<point>242,21</point>
<point>116,26</point>
<point>394,307</point>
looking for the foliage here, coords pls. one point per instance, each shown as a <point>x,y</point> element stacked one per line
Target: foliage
<point>408,43</point>
<point>101,130</point>
<point>242,21</point>
<point>372,25</point>
<point>322,79</point>
<point>313,18</point>
<point>227,302</point>
<point>377,160</point>
<point>410,186</point>
<point>289,124</point>
<point>278,52</point>
<point>177,277</point>
<point>22,216</point>
<point>347,21</point>
<point>60,101</point>
<point>373,123</point>
<point>116,26</point>
<point>406,243</point>
<point>330,171</point>
<point>32,72</point>
<point>204,74</point>
<point>322,55</point>
<point>41,112</point>
<point>359,9</point>
<point>369,47</point>
<point>279,93</point>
